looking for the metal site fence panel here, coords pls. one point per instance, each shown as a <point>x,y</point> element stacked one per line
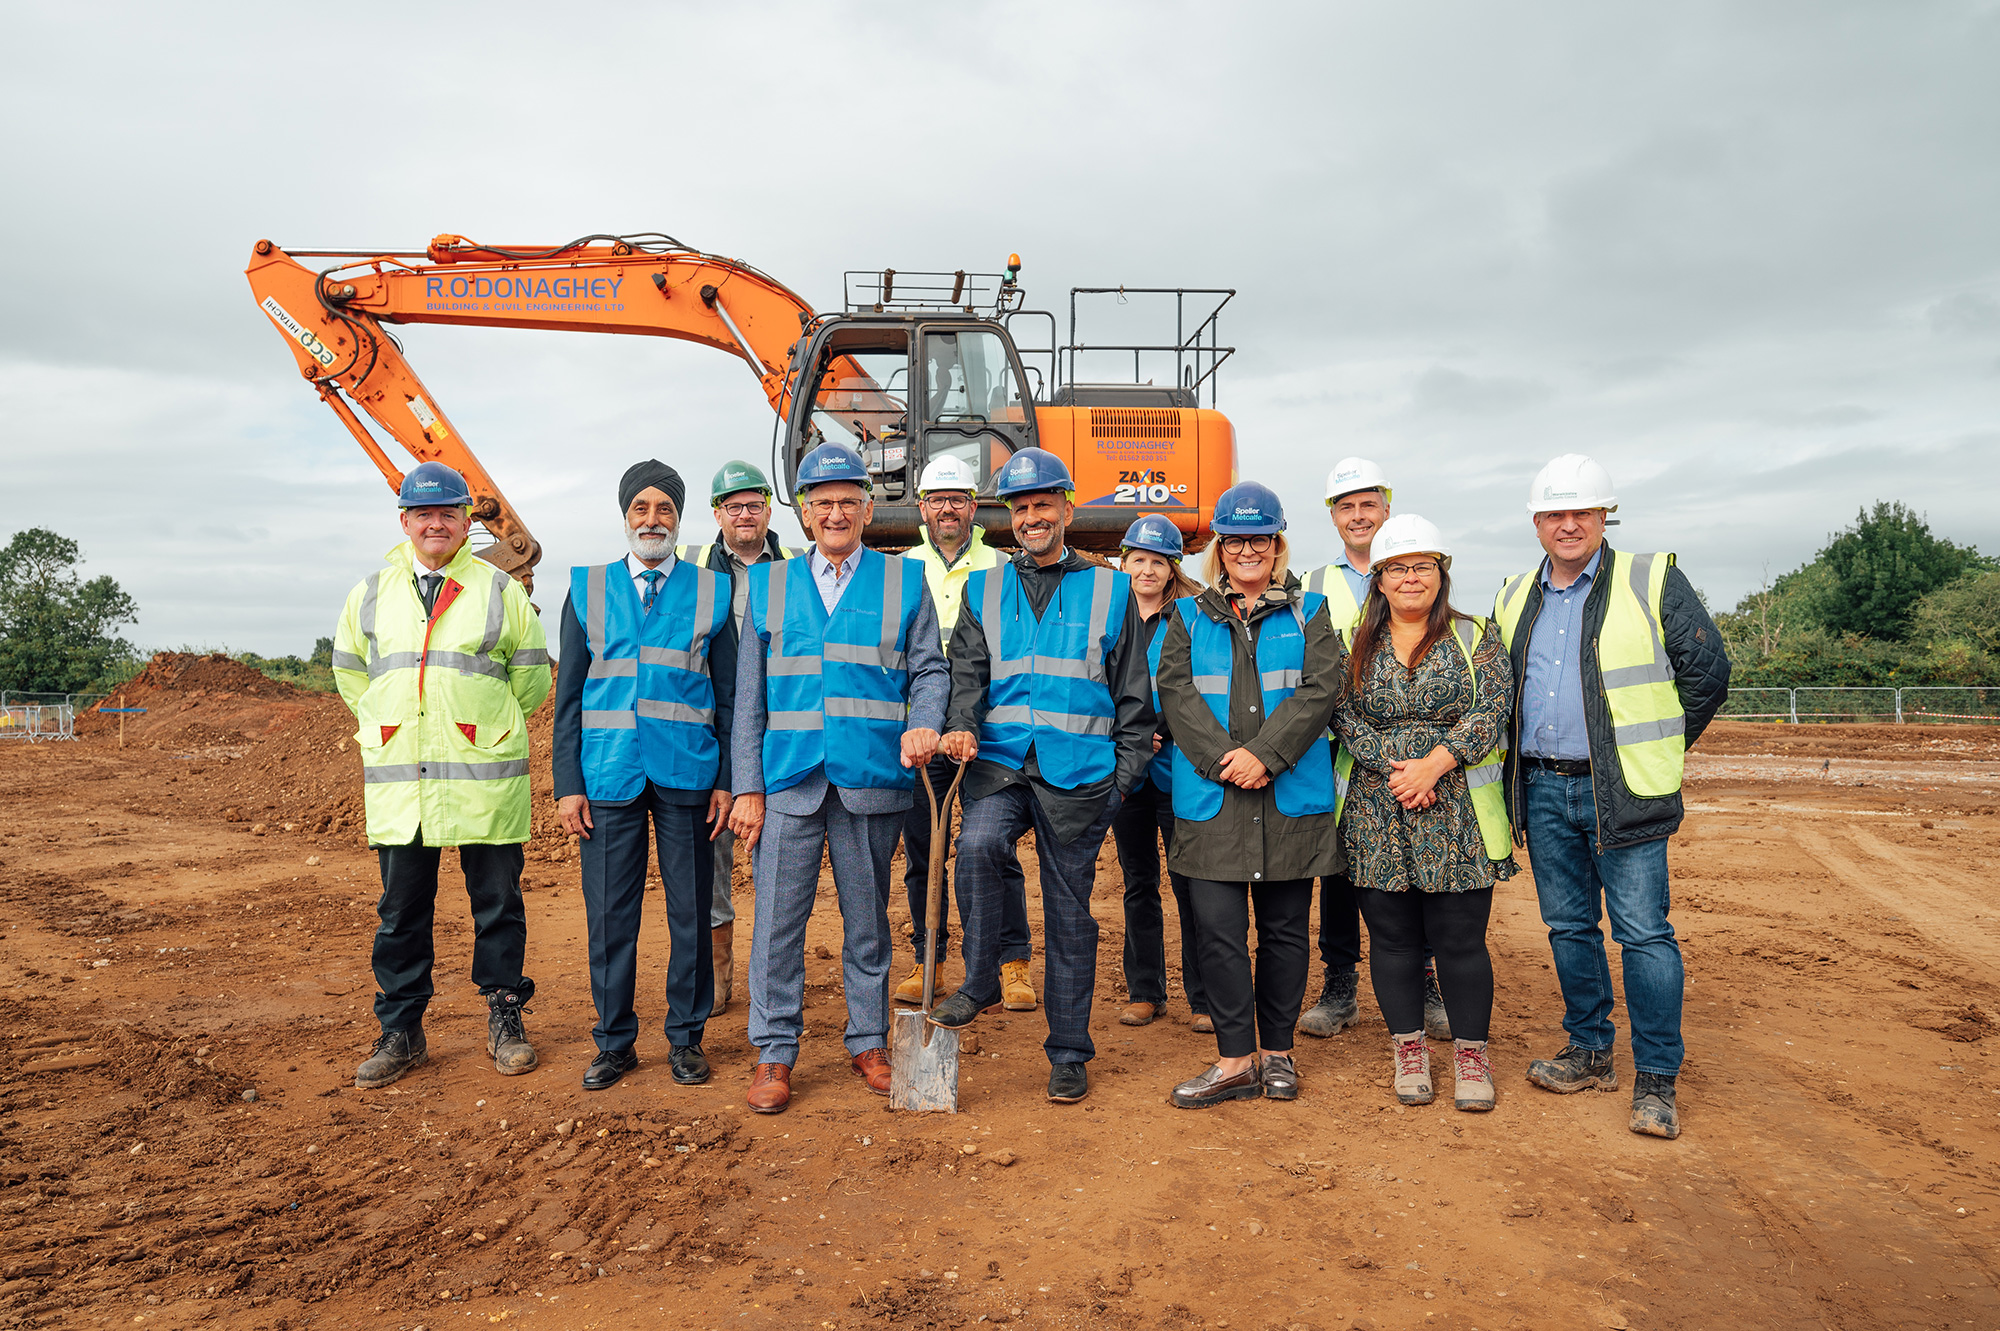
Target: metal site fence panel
<point>1940,704</point>
<point>36,716</point>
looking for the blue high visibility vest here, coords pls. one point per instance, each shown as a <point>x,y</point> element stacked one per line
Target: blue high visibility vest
<point>1048,687</point>
<point>1305,788</point>
<point>836,689</point>
<point>1161,769</point>
<point>648,701</point>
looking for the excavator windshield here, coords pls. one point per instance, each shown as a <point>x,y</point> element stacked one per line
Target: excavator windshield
<point>970,377</point>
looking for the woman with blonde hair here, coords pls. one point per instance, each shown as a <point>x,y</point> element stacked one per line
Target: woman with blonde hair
<point>1422,727</point>
<point>1151,557</point>
<point>1248,679</point>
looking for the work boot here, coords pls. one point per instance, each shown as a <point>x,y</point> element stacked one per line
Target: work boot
<point>1203,1024</point>
<point>1139,1014</point>
<point>506,1038</point>
<point>1653,1111</point>
<point>912,989</point>
<point>395,1053</point>
<point>1474,1076</point>
<point>1338,1008</point>
<point>1017,991</point>
<point>1575,1070</point>
<point>1436,1024</point>
<point>724,947</point>
<point>1412,1068</point>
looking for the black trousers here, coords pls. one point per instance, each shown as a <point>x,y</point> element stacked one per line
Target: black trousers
<point>1339,924</point>
<point>404,951</point>
<point>1014,942</point>
<point>1141,827</point>
<point>614,894</point>
<point>1248,1012</point>
<point>1454,924</point>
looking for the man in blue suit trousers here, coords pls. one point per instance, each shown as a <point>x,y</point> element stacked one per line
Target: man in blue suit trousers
<point>840,691</point>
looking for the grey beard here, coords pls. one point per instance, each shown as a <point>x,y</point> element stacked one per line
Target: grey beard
<point>651,542</point>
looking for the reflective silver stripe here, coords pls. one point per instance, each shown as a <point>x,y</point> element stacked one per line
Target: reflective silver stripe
<point>1073,723</point>
<point>1641,732</point>
<point>1056,665</point>
<point>610,721</point>
<point>774,615</point>
<point>395,772</point>
<point>379,666</point>
<point>1010,716</point>
<point>593,616</point>
<point>791,665</point>
<point>467,663</point>
<point>653,709</point>
<point>496,613</point>
<point>1281,679</point>
<point>989,620</point>
<point>1468,636</point>
<point>348,661</point>
<point>368,613</point>
<point>893,568</point>
<point>1653,672</point>
<point>1211,683</point>
<point>623,669</point>
<point>1101,583</point>
<point>867,654</point>
<point>796,721</point>
<point>529,656</point>
<point>1485,774</point>
<point>673,656</point>
<point>704,621</point>
<point>1001,669</point>
<point>865,709</point>
<point>1661,671</point>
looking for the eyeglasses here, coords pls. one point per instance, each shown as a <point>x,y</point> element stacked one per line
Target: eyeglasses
<point>1423,570</point>
<point>753,508</point>
<point>824,507</point>
<point>949,502</point>
<point>1256,545</point>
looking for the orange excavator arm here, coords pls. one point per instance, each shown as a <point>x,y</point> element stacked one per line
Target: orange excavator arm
<point>333,319</point>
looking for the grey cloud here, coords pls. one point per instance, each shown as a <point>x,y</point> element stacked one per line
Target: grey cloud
<point>1442,389</point>
<point>1965,313</point>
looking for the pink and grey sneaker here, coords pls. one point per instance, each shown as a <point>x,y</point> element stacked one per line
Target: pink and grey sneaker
<point>1413,1069</point>
<point>1474,1074</point>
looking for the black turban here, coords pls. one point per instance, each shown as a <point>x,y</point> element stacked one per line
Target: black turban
<point>651,472</point>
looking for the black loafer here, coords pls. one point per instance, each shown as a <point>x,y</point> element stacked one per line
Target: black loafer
<point>690,1067</point>
<point>607,1068</point>
<point>1068,1083</point>
<point>955,1013</point>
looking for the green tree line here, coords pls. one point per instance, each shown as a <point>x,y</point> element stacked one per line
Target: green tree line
<point>1886,602</point>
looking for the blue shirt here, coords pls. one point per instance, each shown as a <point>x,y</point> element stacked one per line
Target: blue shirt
<point>1357,581</point>
<point>831,581</point>
<point>1552,686</point>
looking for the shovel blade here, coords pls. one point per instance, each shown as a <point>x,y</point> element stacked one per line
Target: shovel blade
<point>923,1065</point>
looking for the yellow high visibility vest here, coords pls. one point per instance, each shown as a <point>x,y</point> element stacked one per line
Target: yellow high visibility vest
<point>1331,583</point>
<point>1647,723</point>
<point>948,584</point>
<point>442,701</point>
<point>1482,779</point>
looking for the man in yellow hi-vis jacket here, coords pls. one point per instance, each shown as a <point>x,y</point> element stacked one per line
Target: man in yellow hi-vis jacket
<point>440,657</point>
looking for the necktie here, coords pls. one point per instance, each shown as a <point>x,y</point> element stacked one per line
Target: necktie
<point>430,583</point>
<point>652,577</point>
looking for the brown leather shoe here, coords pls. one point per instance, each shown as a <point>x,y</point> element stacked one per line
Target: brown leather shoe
<point>1138,1014</point>
<point>770,1088</point>
<point>872,1066</point>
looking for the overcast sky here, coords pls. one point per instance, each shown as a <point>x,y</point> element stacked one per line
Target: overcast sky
<point>1747,255</point>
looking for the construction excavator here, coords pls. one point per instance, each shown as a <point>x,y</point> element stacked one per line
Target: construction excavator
<point>915,366</point>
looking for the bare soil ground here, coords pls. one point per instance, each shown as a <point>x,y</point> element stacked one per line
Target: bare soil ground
<point>186,921</point>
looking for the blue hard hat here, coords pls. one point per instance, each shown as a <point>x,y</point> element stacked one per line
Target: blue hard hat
<point>832,462</point>
<point>1153,533</point>
<point>431,484</point>
<point>1248,509</point>
<point>1031,471</point>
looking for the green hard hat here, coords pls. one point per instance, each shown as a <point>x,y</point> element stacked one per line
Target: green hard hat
<point>736,476</point>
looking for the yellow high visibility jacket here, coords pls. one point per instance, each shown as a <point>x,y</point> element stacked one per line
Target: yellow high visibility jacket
<point>442,702</point>
<point>1331,583</point>
<point>1648,725</point>
<point>948,584</point>
<point>1482,779</point>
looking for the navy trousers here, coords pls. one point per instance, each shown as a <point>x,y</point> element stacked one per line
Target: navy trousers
<point>403,952</point>
<point>1142,825</point>
<point>986,846</point>
<point>614,891</point>
<point>1014,944</point>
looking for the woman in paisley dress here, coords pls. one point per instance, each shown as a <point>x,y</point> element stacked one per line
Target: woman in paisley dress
<point>1429,692</point>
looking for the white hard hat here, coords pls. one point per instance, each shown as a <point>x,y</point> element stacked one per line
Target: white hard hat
<point>1352,474</point>
<point>1571,481</point>
<point>1407,534</point>
<point>946,472</point>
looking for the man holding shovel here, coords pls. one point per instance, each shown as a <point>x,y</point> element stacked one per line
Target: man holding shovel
<point>1052,694</point>
<point>840,691</point>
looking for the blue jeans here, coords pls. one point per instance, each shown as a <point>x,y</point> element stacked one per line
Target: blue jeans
<point>1572,877</point>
